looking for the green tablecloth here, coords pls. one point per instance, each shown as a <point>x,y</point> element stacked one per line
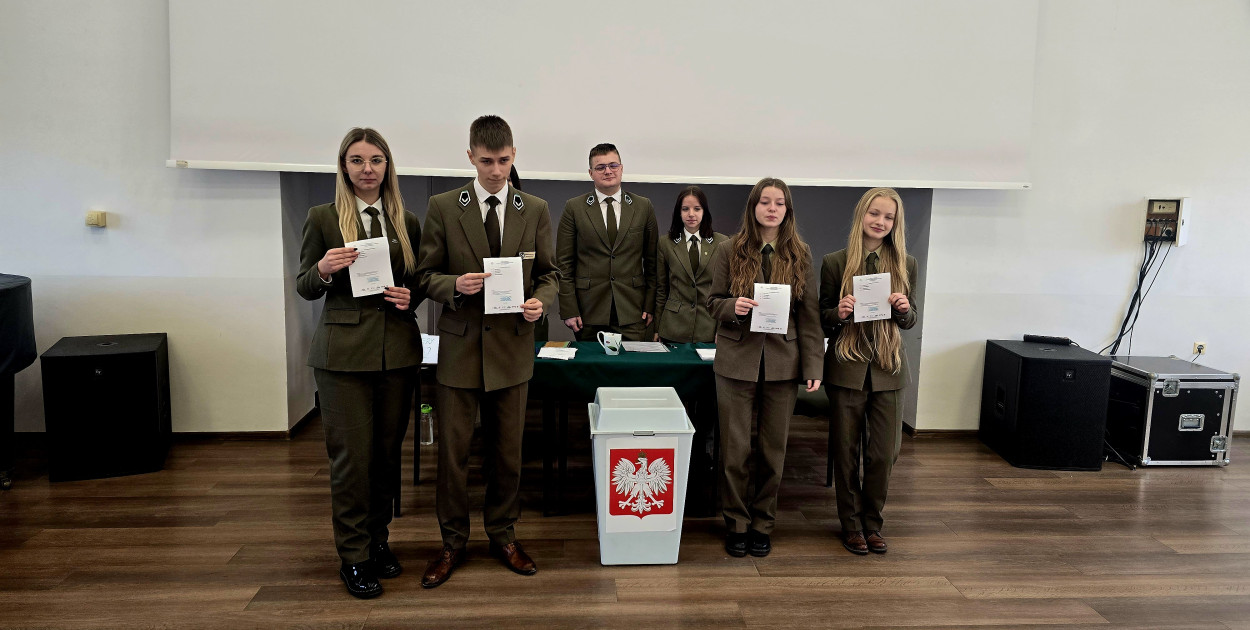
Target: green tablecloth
<point>578,378</point>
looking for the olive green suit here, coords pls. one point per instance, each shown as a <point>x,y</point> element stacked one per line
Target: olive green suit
<point>681,293</point>
<point>867,408</point>
<point>608,285</point>
<point>484,361</point>
<point>366,355</point>
<point>757,371</point>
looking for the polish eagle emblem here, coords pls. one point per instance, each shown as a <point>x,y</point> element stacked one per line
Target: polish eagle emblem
<point>641,486</point>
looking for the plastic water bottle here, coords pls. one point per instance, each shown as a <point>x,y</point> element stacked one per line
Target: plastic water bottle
<point>427,425</point>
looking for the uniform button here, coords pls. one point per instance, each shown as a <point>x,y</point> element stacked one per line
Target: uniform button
<point>381,307</point>
<point>613,256</point>
<point>488,329</point>
<point>613,278</point>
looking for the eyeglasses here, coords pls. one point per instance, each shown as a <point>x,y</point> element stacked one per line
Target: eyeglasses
<point>359,162</point>
<point>607,167</point>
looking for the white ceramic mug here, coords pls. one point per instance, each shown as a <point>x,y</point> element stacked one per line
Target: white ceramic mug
<point>611,342</point>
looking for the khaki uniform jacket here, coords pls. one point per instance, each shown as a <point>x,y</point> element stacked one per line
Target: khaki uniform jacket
<point>594,272</point>
<point>793,356</point>
<point>358,334</point>
<point>851,374</point>
<point>477,350</point>
<point>680,295</point>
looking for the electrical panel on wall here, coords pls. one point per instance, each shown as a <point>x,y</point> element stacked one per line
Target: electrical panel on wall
<point>1167,220</point>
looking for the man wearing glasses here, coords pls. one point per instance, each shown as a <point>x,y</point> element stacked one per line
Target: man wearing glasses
<point>605,249</point>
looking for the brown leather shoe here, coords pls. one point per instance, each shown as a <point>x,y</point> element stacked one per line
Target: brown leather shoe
<point>855,543</point>
<point>876,543</point>
<point>441,567</point>
<point>514,558</point>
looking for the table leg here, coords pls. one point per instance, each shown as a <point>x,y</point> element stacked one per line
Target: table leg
<point>549,434</point>
<point>8,451</point>
<point>564,452</point>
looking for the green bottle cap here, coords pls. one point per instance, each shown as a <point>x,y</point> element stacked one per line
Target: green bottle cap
<point>426,409</point>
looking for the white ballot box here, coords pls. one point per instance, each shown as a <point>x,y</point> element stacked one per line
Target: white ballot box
<point>641,440</point>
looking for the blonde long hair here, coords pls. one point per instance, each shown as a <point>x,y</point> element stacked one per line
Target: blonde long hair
<point>885,345</point>
<point>792,259</point>
<point>392,200</point>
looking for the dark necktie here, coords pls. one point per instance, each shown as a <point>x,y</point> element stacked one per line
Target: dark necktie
<point>375,222</point>
<point>768,263</point>
<point>871,267</point>
<point>694,254</point>
<point>611,221</point>
<point>492,225</point>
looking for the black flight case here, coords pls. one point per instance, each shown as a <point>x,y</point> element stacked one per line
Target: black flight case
<point>1165,411</point>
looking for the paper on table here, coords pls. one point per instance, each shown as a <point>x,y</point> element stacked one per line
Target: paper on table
<point>707,354</point>
<point>371,271</point>
<point>644,346</point>
<point>563,354</point>
<point>429,349</point>
<point>502,289</point>
<point>773,313</point>
<point>872,297</point>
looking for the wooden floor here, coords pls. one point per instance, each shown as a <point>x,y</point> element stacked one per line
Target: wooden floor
<point>236,534</point>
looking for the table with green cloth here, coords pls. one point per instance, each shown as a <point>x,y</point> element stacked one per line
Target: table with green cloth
<point>558,382</point>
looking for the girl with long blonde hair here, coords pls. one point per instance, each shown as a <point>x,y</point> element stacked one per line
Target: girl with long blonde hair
<point>365,352</point>
<point>865,367</point>
<point>757,373</point>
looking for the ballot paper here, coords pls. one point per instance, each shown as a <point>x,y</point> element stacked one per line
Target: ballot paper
<point>644,346</point>
<point>429,349</point>
<point>872,297</point>
<point>502,289</point>
<point>707,354</point>
<point>371,272</point>
<point>772,315</point>
<point>564,354</point>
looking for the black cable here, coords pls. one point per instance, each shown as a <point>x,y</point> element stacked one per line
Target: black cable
<point>1149,252</point>
<point>1143,297</point>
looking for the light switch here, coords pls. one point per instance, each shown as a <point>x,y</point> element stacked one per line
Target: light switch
<point>97,218</point>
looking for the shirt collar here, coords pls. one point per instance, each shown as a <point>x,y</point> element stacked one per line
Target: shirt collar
<point>482,194</point>
<point>686,234</point>
<point>361,205</point>
<point>768,243</point>
<point>877,251</point>
<point>616,198</point>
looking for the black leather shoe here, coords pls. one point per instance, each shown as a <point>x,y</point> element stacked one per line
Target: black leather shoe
<point>760,544</point>
<point>360,580</point>
<point>736,544</point>
<point>385,564</point>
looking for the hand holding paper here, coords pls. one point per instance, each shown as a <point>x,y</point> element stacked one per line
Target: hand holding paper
<point>772,313</point>
<point>503,289</point>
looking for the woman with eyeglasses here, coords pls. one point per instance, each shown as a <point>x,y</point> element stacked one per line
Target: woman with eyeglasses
<point>366,352</point>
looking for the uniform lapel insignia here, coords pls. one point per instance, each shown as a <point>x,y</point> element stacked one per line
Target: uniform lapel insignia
<point>677,240</point>
<point>629,200</point>
<point>517,203</point>
<point>708,240</point>
<point>464,199</point>
<point>590,200</point>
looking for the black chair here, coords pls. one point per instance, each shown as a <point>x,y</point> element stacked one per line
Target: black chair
<point>816,405</point>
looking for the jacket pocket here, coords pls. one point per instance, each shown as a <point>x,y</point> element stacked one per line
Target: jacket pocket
<point>673,306</point>
<point>350,316</point>
<point>729,331</point>
<point>452,326</point>
<point>583,283</point>
<point>638,281</point>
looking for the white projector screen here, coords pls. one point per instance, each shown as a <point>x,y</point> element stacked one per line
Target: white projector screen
<point>907,92</point>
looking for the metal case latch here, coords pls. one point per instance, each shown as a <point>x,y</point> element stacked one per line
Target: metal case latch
<point>1171,388</point>
<point>1219,443</point>
<point>1192,421</point>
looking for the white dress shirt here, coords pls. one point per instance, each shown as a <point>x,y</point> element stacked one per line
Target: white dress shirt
<point>616,206</point>
<point>698,240</point>
<point>367,220</point>
<point>502,196</point>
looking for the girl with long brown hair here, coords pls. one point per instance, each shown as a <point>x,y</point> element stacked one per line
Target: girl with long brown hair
<point>866,368</point>
<point>756,372</point>
<point>365,352</point>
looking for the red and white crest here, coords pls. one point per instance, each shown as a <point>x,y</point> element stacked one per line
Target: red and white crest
<point>642,481</point>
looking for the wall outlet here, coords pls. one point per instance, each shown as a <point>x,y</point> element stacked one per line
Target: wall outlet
<point>1200,347</point>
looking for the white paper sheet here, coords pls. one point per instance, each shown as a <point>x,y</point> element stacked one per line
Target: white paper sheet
<point>371,272</point>
<point>872,297</point>
<point>773,313</point>
<point>429,349</point>
<point>707,354</point>
<point>503,290</point>
<point>564,354</point>
<point>644,346</point>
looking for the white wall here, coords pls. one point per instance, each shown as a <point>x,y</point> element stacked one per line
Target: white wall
<point>84,124</point>
<point>1133,99</point>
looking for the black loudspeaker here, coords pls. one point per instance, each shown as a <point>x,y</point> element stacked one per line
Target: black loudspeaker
<point>1045,405</point>
<point>106,405</point>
